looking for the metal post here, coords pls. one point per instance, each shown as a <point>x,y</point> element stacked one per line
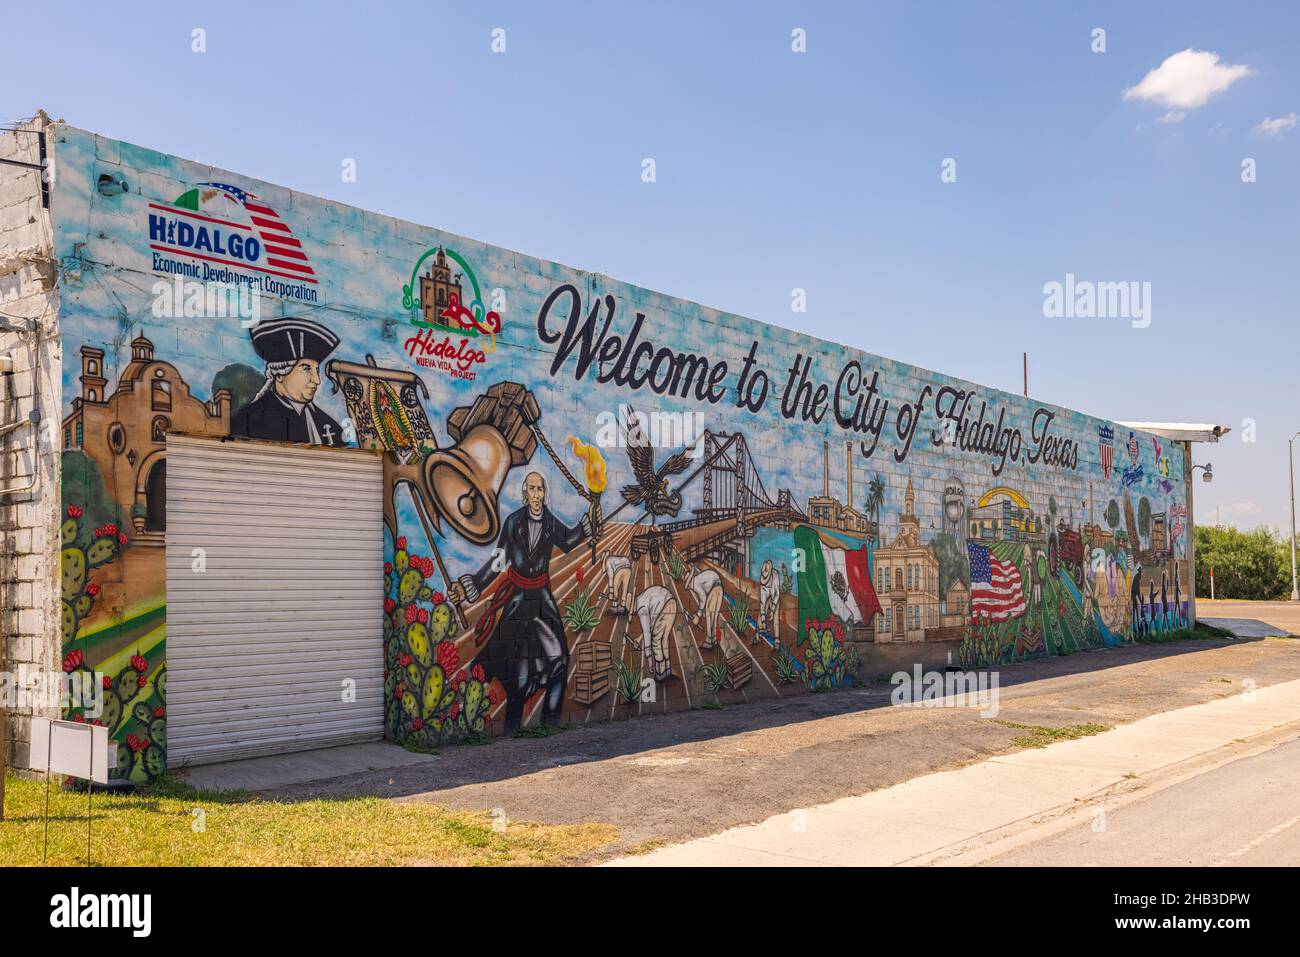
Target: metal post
<point>1290,462</point>
<point>49,759</point>
<point>90,793</point>
<point>1189,476</point>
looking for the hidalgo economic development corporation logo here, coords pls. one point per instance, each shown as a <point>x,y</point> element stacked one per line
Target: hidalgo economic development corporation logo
<point>220,233</point>
<point>455,335</point>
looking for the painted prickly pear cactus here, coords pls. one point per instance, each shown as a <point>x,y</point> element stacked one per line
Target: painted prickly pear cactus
<point>81,553</point>
<point>431,699</point>
<point>132,679</point>
<point>824,656</point>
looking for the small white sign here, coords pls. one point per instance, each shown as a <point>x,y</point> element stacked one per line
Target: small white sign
<point>70,747</point>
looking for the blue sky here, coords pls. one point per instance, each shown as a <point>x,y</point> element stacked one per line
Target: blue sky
<point>778,170</point>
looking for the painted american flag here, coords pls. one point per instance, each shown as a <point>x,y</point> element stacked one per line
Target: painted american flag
<point>995,589</point>
<point>1106,443</point>
<point>282,249</point>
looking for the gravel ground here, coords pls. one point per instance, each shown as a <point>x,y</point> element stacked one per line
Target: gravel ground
<point>666,778</point>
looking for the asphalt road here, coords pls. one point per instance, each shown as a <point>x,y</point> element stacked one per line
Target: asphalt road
<point>1242,814</point>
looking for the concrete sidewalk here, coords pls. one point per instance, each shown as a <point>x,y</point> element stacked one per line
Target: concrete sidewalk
<point>1262,618</point>
<point>301,767</point>
<point>1248,627</point>
<point>928,817</point>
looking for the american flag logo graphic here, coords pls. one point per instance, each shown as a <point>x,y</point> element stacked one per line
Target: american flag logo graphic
<point>225,226</point>
<point>1106,445</point>
<point>995,588</point>
<point>283,251</point>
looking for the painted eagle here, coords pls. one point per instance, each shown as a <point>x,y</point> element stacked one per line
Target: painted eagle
<point>651,488</point>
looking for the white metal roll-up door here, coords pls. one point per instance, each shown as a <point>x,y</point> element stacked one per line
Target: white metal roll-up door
<point>287,607</point>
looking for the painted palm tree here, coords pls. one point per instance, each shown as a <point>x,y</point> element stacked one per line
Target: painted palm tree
<point>876,496</point>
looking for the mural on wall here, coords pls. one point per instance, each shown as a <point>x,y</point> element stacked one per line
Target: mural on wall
<point>600,501</point>
<point>283,409</point>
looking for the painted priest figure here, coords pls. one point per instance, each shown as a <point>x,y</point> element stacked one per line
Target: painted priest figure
<point>526,647</point>
<point>284,409</point>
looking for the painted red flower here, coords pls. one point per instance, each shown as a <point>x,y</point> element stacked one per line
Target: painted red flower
<point>455,710</point>
<point>839,631</point>
<point>461,677</point>
<point>144,681</point>
<point>388,568</point>
<point>438,598</point>
<point>73,661</point>
<point>121,538</point>
<point>79,718</point>
<point>478,673</point>
<point>405,660</point>
<point>495,695</point>
<point>412,614</point>
<point>96,722</point>
<point>110,529</point>
<point>139,664</point>
<point>75,511</point>
<point>448,657</point>
<point>92,590</point>
<point>108,683</point>
<point>424,616</point>
<point>136,743</point>
<point>159,712</point>
<point>401,543</point>
<point>417,724</point>
<point>398,692</point>
<point>1060,609</point>
<point>582,575</point>
<point>390,605</point>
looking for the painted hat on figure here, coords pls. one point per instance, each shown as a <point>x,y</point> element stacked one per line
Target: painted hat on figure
<point>287,340</point>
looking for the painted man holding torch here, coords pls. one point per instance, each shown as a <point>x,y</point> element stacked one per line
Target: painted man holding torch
<point>526,646</point>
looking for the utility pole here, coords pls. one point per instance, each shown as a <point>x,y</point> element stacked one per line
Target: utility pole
<point>1290,463</point>
<point>1025,357</point>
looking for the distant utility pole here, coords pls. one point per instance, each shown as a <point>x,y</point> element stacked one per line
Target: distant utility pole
<point>1025,356</point>
<point>1290,464</point>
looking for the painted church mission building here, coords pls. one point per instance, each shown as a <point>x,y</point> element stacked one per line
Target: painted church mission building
<point>125,433</point>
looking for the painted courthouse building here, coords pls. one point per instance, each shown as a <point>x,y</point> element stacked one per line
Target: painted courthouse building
<point>403,490</point>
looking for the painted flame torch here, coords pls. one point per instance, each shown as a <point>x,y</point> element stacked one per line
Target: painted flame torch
<point>594,468</point>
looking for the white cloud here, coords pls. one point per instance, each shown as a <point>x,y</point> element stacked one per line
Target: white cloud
<point>1173,116</point>
<point>1243,509</point>
<point>1186,80</point>
<point>1272,127</point>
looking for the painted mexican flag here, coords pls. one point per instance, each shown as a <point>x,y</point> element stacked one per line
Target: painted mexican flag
<point>817,599</point>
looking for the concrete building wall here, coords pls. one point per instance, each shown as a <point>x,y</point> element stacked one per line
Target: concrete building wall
<point>697,442</point>
<point>29,456</point>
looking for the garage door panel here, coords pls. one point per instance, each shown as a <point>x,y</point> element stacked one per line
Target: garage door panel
<point>288,605</point>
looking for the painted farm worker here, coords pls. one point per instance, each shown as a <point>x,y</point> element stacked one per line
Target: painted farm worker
<point>707,587</point>
<point>1035,576</point>
<point>526,647</point>
<point>618,569</point>
<point>656,610</point>
<point>769,597</point>
<point>284,409</point>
